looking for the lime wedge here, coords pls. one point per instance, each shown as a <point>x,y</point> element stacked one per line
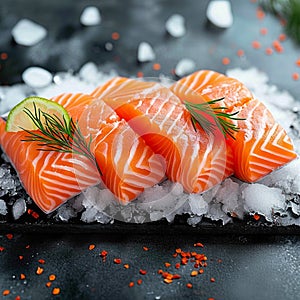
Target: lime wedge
<point>18,119</point>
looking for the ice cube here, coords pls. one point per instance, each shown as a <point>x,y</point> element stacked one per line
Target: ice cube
<point>184,67</point>
<point>89,72</point>
<point>145,52</point>
<point>175,26</point>
<point>197,204</point>
<point>90,16</point>
<point>263,200</point>
<point>37,77</point>
<point>28,33</point>
<point>215,213</point>
<point>194,220</point>
<point>219,13</point>
<point>19,208</point>
<point>3,208</point>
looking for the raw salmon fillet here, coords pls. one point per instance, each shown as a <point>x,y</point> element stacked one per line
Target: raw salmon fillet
<point>261,145</point>
<point>196,160</point>
<point>49,178</point>
<point>128,165</point>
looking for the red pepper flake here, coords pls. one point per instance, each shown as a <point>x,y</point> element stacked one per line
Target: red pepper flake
<point>176,276</point>
<point>35,215</point>
<point>2,248</point>
<point>184,261</point>
<point>160,271</point>
<point>256,45</point>
<point>21,257</point>
<point>27,247</point>
<point>4,56</point>
<point>117,261</point>
<point>91,247</point>
<point>220,260</point>
<point>199,245</point>
<point>56,291</point>
<point>22,276</point>
<point>167,265</point>
<point>156,67</point>
<point>115,36</point>
<point>39,270</point>
<point>52,277</point>
<point>9,236</point>
<point>212,279</point>
<point>145,248</point>
<point>260,13</point>
<point>277,46</point>
<point>18,297</point>
<point>131,284</point>
<point>194,273</point>
<point>143,272</point>
<point>282,37</point>
<point>175,254</point>
<point>6,292</point>
<point>42,261</point>
<point>298,62</point>
<point>168,281</point>
<point>126,266</point>
<point>201,271</point>
<point>140,74</point>
<point>178,250</point>
<point>139,281</point>
<point>177,265</point>
<point>103,253</point>
<point>256,217</point>
<point>211,298</point>
<point>48,284</point>
<point>225,61</point>
<point>263,31</point>
<point>240,53</point>
<point>189,285</point>
<point>295,76</point>
<point>269,51</point>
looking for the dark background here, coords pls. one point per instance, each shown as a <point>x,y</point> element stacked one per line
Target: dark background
<point>246,264</point>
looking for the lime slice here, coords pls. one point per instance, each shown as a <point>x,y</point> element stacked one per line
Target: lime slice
<point>18,119</point>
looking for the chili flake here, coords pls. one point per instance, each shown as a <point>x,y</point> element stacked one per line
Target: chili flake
<point>9,236</point>
<point>212,279</point>
<point>263,31</point>
<point>256,44</point>
<point>189,285</point>
<point>177,265</point>
<point>139,281</point>
<point>103,253</point>
<point>156,66</point>
<point>48,284</point>
<point>117,261</point>
<point>176,276</point>
<point>21,257</point>
<point>2,248</point>
<point>56,291</point>
<point>126,266</point>
<point>256,217</point>
<point>115,36</point>
<point>167,265</point>
<point>52,277</point>
<point>39,270</point>
<point>282,37</point>
<point>298,62</point>
<point>168,281</point>
<point>140,74</point>
<point>269,51</point>
<point>240,53</point>
<point>295,76</point>
<point>42,261</point>
<point>194,273</point>
<point>4,56</point>
<point>22,276</point>
<point>131,284</point>
<point>18,298</point>
<point>91,247</point>
<point>199,245</point>
<point>225,61</point>
<point>143,272</point>
<point>6,292</point>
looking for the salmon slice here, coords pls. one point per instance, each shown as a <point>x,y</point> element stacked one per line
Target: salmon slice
<point>261,145</point>
<point>194,159</point>
<point>49,178</point>
<point>128,165</point>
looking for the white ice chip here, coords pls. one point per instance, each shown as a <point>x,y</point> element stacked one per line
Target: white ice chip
<point>185,66</point>
<point>219,13</point>
<point>37,77</point>
<point>145,52</point>
<point>175,26</point>
<point>90,16</point>
<point>28,33</point>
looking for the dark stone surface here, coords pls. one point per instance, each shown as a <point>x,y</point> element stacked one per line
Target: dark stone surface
<point>257,262</point>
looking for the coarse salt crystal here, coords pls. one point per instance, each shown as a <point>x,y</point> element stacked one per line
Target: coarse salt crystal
<point>37,77</point>
<point>175,26</point>
<point>219,13</point>
<point>90,16</point>
<point>145,52</point>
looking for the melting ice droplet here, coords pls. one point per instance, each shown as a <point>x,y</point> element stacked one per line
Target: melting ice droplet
<point>145,52</point>
<point>219,13</point>
<point>90,16</point>
<point>28,33</point>
<point>175,26</point>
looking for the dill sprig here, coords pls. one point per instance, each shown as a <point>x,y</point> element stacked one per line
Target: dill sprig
<point>60,135</point>
<point>289,10</point>
<point>211,117</point>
